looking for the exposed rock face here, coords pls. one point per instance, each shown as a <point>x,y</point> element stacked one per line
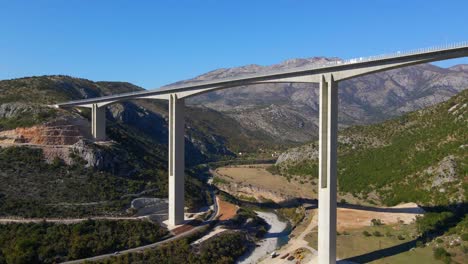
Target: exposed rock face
<point>253,191</point>
<point>109,157</point>
<point>65,137</point>
<point>11,110</point>
<point>199,146</point>
<point>65,130</point>
<point>443,172</point>
<point>283,123</point>
<point>145,120</point>
<point>146,206</point>
<point>296,155</point>
<point>309,151</point>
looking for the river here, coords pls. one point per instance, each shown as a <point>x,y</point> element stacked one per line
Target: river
<point>276,236</point>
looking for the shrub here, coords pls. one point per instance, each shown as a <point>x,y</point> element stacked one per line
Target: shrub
<point>377,233</point>
<point>464,236</point>
<point>366,233</point>
<point>432,221</point>
<point>464,249</point>
<point>419,244</point>
<point>400,237</point>
<point>217,180</point>
<point>441,254</point>
<point>439,240</point>
<point>376,222</point>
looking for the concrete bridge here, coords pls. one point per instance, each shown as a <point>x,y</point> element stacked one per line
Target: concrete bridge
<point>328,75</point>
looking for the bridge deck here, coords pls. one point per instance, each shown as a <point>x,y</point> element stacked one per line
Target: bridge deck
<point>424,55</point>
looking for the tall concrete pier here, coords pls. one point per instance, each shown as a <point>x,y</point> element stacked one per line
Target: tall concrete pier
<point>176,160</point>
<point>98,122</point>
<point>328,135</point>
<point>328,75</point>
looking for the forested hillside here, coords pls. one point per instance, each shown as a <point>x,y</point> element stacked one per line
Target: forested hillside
<point>420,157</point>
<point>49,166</point>
<point>53,243</point>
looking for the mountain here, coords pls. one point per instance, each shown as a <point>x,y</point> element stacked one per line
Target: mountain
<point>49,166</point>
<point>25,101</point>
<point>218,125</point>
<point>289,112</point>
<point>419,157</point>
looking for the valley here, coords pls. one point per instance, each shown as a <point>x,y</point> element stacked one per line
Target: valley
<point>255,183</point>
<point>266,190</point>
<point>53,173</point>
<point>233,132</point>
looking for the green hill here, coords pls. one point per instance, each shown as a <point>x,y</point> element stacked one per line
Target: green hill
<point>100,179</point>
<point>420,157</point>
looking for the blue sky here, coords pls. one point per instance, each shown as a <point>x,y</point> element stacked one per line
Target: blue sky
<point>152,43</point>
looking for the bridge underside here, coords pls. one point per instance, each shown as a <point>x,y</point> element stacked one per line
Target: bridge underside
<point>328,77</point>
<point>328,125</point>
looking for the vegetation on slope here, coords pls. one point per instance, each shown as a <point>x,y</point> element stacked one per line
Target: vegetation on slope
<point>245,228</point>
<point>30,187</point>
<point>400,170</point>
<point>419,157</point>
<point>29,117</point>
<point>53,243</point>
<point>437,235</point>
<point>57,88</point>
<point>224,248</point>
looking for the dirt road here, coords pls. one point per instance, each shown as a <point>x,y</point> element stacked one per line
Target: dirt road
<point>9,220</point>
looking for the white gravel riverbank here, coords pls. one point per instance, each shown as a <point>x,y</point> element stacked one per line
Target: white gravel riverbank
<point>268,243</point>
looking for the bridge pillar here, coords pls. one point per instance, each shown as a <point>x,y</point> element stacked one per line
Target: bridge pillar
<point>98,122</point>
<point>328,126</point>
<point>176,160</point>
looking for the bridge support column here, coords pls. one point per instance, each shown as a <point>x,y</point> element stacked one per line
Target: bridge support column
<point>98,122</point>
<point>328,126</point>
<point>176,160</point>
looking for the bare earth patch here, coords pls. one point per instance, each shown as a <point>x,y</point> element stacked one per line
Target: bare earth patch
<point>256,181</point>
<point>353,218</point>
<point>226,210</point>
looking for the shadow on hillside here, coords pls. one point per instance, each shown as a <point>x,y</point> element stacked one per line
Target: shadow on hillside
<point>310,203</point>
<point>458,210</point>
<point>410,210</point>
<point>313,204</point>
<point>383,253</point>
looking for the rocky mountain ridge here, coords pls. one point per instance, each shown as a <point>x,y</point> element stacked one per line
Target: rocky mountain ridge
<point>289,112</point>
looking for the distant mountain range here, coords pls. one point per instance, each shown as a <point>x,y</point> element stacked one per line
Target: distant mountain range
<point>288,112</point>
<point>274,114</point>
<point>218,126</point>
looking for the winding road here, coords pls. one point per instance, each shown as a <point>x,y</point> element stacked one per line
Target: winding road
<point>156,244</point>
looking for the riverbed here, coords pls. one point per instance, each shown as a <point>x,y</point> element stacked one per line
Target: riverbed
<point>276,236</point>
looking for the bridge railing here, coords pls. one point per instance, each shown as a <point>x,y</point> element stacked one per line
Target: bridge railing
<point>332,63</point>
<point>396,54</point>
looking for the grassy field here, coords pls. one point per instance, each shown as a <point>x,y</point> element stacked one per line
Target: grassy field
<point>256,175</point>
<point>392,244</point>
